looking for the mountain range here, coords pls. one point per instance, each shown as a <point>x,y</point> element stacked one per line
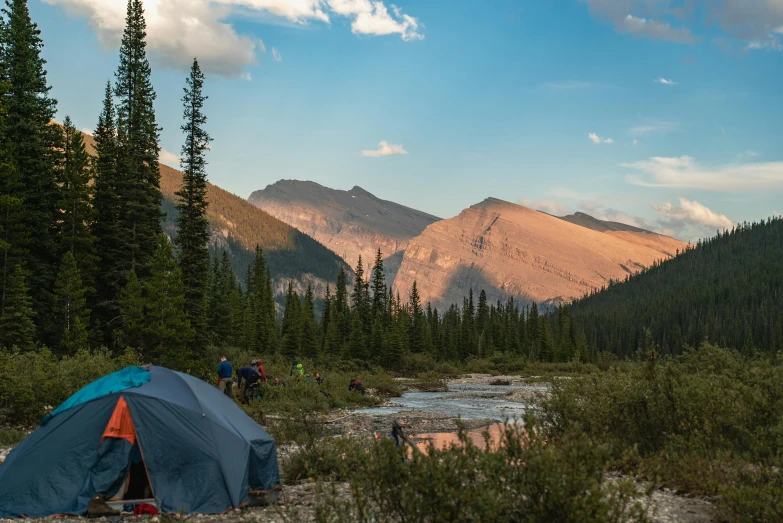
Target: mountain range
<point>351,223</point>
<point>503,248</point>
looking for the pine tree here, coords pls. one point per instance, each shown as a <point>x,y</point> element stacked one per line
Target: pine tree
<point>359,298</point>
<point>131,308</point>
<point>309,339</point>
<point>193,228</point>
<point>378,287</point>
<point>71,312</point>
<point>106,203</point>
<point>168,331</point>
<point>357,346</point>
<point>378,343</point>
<point>77,213</point>
<point>291,324</point>
<point>138,172</point>
<point>31,145</point>
<point>416,334</point>
<point>17,328</point>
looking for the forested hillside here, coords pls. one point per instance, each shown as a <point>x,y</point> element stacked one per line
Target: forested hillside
<point>728,290</point>
<point>238,226</point>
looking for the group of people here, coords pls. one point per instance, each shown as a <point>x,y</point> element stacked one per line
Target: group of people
<point>253,375</point>
<point>250,377</point>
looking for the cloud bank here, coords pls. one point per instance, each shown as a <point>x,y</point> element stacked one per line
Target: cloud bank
<point>684,172</point>
<point>178,30</point>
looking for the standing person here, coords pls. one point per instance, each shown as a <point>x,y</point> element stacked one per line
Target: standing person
<point>318,378</point>
<point>299,371</point>
<point>225,372</point>
<point>246,378</point>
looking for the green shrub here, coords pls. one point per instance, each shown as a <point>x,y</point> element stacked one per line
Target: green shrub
<point>524,480</point>
<point>31,382</point>
<point>11,437</point>
<point>708,422</point>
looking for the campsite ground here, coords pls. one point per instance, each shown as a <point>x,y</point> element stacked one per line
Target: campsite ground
<point>302,498</point>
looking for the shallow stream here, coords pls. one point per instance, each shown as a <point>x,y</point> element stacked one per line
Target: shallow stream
<point>468,401</point>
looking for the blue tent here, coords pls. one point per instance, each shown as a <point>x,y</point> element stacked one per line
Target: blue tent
<point>200,451</point>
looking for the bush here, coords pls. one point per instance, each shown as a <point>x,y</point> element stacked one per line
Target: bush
<point>11,437</point>
<point>524,480</point>
<point>30,382</point>
<point>708,422</point>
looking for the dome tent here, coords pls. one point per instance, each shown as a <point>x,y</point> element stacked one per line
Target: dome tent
<point>201,452</point>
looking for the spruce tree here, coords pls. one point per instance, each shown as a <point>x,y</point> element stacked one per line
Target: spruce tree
<point>131,309</point>
<point>168,331</point>
<point>309,339</point>
<point>76,209</point>
<point>378,287</point>
<point>359,299</point>
<point>71,312</point>
<point>357,346</point>
<point>291,323</point>
<point>106,202</point>
<point>416,334</point>
<point>138,171</point>
<point>193,228</point>
<point>17,328</point>
<point>31,145</point>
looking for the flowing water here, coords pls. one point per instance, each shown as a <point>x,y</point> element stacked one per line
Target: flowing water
<point>467,401</point>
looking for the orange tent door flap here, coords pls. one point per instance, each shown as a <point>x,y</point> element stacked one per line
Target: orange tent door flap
<point>120,425</point>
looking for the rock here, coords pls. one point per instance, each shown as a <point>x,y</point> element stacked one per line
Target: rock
<point>510,250</point>
<point>349,223</point>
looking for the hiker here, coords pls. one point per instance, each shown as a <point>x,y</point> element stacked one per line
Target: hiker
<point>318,378</point>
<point>352,386</point>
<point>293,368</point>
<point>250,376</point>
<point>258,365</point>
<point>297,370</point>
<point>308,379</point>
<point>357,386</point>
<point>279,382</point>
<point>225,373</point>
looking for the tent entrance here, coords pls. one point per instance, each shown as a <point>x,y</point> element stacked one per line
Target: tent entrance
<point>136,484</point>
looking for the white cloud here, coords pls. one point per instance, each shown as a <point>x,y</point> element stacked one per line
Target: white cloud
<point>385,149</point>
<point>597,139</point>
<point>553,207</point>
<point>276,55</point>
<point>664,81</point>
<point>684,172</point>
<point>636,142</point>
<point>655,29</point>
<point>168,158</point>
<point>372,17</point>
<point>752,154</point>
<point>178,30</point>
<point>691,213</point>
<point>86,131</point>
<point>634,17</point>
<point>654,127</point>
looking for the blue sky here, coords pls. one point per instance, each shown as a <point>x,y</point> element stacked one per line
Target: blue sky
<point>471,99</point>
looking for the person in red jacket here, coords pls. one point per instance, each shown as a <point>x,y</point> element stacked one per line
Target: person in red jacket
<point>259,366</point>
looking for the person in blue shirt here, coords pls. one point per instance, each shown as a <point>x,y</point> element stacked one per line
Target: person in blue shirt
<point>225,373</point>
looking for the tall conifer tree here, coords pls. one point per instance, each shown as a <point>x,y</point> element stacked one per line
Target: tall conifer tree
<point>71,313</point>
<point>31,143</point>
<point>138,171</point>
<point>106,203</point>
<point>193,228</point>
<point>16,326</point>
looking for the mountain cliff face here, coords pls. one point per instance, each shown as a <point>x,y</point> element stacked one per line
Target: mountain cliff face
<point>237,227</point>
<point>510,250</point>
<point>350,223</point>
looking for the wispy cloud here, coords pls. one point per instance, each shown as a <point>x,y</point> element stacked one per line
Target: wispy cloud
<point>385,149</point>
<point>597,139</point>
<point>86,131</point>
<point>168,158</point>
<point>657,126</point>
<point>636,19</point>
<point>685,172</point>
<point>636,142</point>
<point>664,81</point>
<point>690,220</point>
<point>276,55</point>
